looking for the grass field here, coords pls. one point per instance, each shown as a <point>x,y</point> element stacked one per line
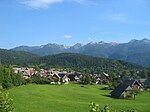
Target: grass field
<point>71,98</point>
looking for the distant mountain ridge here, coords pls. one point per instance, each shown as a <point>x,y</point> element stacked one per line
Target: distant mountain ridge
<point>135,51</point>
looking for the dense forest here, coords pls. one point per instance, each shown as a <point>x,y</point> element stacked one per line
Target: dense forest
<point>76,62</point>
<point>70,60</point>
<point>15,57</point>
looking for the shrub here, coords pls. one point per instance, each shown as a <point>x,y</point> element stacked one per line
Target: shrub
<point>96,108</point>
<point>6,103</point>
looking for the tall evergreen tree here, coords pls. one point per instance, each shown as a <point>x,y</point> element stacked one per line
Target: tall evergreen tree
<point>7,81</point>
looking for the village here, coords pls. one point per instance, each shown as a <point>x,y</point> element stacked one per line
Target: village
<point>124,89</point>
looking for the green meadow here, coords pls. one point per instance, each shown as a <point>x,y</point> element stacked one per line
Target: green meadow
<point>71,98</point>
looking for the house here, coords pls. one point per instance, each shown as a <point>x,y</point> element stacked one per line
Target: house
<point>124,89</point>
<point>64,78</point>
<point>43,74</point>
<point>25,75</point>
<point>17,70</point>
<point>101,78</point>
<point>26,72</point>
<point>74,77</point>
<point>133,84</point>
<point>121,91</point>
<point>141,81</point>
<point>98,80</point>
<point>55,76</point>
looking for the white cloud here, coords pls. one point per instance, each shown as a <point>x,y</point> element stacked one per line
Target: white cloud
<point>92,39</point>
<point>85,2</point>
<point>108,32</point>
<point>116,17</point>
<point>89,38</point>
<point>79,1</point>
<point>96,28</point>
<point>36,4</point>
<point>41,4</point>
<point>67,36</point>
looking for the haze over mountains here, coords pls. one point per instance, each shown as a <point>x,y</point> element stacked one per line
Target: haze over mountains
<point>136,51</point>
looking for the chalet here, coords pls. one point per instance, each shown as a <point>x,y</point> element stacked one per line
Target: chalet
<point>74,77</point>
<point>55,76</point>
<point>134,84</point>
<point>121,91</point>
<point>43,74</point>
<point>98,80</point>
<point>65,78</point>
<point>25,75</point>
<point>101,79</point>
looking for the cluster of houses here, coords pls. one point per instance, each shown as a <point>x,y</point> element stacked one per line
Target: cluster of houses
<point>27,73</point>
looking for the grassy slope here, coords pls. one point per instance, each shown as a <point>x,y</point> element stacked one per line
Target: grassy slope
<point>70,98</point>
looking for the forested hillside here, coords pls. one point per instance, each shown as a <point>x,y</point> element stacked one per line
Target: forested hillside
<point>78,61</point>
<point>15,57</point>
<point>73,61</point>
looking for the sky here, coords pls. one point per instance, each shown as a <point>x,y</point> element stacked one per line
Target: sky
<point>39,22</point>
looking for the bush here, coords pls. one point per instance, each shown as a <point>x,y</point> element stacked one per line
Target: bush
<point>96,108</point>
<point>6,103</point>
<point>41,80</point>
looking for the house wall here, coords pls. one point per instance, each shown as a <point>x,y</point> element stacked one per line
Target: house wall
<point>125,94</point>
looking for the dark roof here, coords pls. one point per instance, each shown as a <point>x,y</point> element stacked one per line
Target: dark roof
<point>129,82</point>
<point>72,76</point>
<point>127,78</point>
<point>55,75</point>
<point>119,90</point>
<point>61,75</point>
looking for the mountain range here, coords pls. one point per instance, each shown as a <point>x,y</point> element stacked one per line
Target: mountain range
<point>135,51</point>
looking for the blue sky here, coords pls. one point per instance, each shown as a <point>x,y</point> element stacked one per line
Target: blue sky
<point>38,22</point>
